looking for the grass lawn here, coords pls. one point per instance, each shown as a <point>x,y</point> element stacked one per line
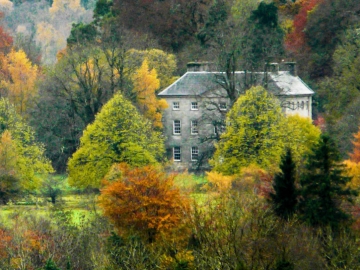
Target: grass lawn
<point>83,206</point>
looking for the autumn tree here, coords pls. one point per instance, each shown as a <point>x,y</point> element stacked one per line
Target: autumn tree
<point>164,64</point>
<point>22,156</point>
<point>143,201</point>
<point>324,29</point>
<point>9,182</point>
<point>116,135</point>
<point>355,155</point>
<point>353,163</point>
<point>323,187</point>
<point>254,134</point>
<point>70,95</point>
<point>19,86</point>
<point>145,84</point>
<point>302,138</point>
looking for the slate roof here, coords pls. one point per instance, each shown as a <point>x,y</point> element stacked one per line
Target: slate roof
<point>197,83</point>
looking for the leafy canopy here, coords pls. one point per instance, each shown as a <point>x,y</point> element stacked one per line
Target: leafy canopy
<point>142,200</point>
<point>145,84</point>
<point>118,134</point>
<point>254,134</point>
<point>20,155</point>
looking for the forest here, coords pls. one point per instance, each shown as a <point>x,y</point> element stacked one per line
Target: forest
<point>84,178</point>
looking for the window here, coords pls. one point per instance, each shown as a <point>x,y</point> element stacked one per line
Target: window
<point>194,106</point>
<point>223,106</point>
<point>194,127</point>
<point>176,106</point>
<point>219,128</point>
<point>194,153</point>
<point>177,153</point>
<point>302,105</point>
<point>177,127</point>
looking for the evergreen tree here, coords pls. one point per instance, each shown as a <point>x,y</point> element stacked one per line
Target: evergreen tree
<point>323,187</point>
<point>284,198</point>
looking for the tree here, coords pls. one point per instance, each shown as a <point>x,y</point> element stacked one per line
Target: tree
<point>264,41</point>
<point>22,157</point>
<point>323,187</point>
<point>355,155</point>
<point>52,188</point>
<point>20,84</point>
<point>284,198</point>
<point>323,32</point>
<point>353,163</point>
<point>254,134</point>
<point>143,201</point>
<point>164,64</point>
<point>303,136</point>
<point>118,134</point>
<point>145,84</point>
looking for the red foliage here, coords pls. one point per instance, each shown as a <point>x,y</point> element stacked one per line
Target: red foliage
<point>320,123</point>
<point>296,40</point>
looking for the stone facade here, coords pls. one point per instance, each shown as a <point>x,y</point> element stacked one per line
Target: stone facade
<point>198,105</point>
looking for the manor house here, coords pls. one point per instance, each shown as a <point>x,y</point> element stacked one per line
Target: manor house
<point>198,104</point>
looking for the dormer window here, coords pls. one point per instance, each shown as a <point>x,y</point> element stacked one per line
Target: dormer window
<point>176,106</point>
<point>194,106</point>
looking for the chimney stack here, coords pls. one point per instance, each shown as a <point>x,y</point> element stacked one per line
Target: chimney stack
<point>201,66</point>
<point>291,67</point>
<point>273,67</point>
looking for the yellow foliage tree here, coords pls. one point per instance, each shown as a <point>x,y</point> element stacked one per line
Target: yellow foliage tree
<point>7,154</point>
<point>65,5</point>
<point>20,83</point>
<point>218,181</point>
<point>145,84</point>
<point>162,62</point>
<point>353,171</point>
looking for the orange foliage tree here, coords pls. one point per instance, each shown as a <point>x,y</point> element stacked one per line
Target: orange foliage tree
<point>145,84</point>
<point>143,201</point>
<point>353,163</point>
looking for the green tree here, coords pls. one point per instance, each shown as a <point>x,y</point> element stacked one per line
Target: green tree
<point>302,138</point>
<point>264,40</point>
<point>284,198</point>
<point>118,134</point>
<point>323,187</point>
<point>21,155</point>
<point>254,134</point>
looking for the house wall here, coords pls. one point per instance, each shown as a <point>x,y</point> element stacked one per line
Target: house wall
<point>186,140</point>
<point>300,105</point>
<point>206,114</point>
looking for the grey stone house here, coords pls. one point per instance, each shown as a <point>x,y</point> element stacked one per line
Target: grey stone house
<point>198,104</point>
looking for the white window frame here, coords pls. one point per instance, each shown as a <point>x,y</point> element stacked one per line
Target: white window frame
<point>194,153</point>
<point>222,106</point>
<point>177,153</point>
<point>176,106</point>
<point>194,106</point>
<point>194,127</point>
<point>177,127</point>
